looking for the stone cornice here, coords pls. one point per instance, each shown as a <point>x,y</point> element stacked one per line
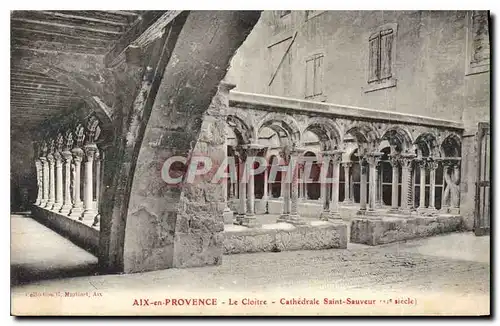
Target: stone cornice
<point>276,103</point>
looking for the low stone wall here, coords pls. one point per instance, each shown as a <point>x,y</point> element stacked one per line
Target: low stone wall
<point>285,237</point>
<point>76,231</point>
<point>392,229</point>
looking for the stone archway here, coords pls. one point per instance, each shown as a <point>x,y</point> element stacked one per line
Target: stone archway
<point>152,225</point>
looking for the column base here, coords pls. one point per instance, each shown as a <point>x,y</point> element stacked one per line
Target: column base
<point>228,216</point>
<point>394,210</point>
<point>406,211</point>
<point>49,205</point>
<point>88,216</point>
<point>373,215</point>
<point>283,218</point>
<point>238,218</point>
<point>42,203</point>
<point>422,210</point>
<point>250,221</point>
<point>76,212</point>
<point>347,203</point>
<point>432,211</point>
<point>65,209</point>
<point>57,207</point>
<point>295,219</point>
<point>325,216</point>
<point>454,211</point>
<point>361,212</point>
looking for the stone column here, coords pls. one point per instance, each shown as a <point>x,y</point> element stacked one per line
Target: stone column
<point>242,192</point>
<point>334,200</point>
<point>394,160</point>
<point>265,195</point>
<point>52,184</point>
<point>45,181</point>
<point>77,209</point>
<point>66,208</point>
<point>325,168</point>
<point>39,182</point>
<point>373,159</point>
<point>406,182</point>
<point>292,197</point>
<point>347,184</point>
<point>97,178</point>
<point>285,190</point>
<point>363,166</point>
<point>378,182</point>
<point>422,163</point>
<point>59,182</point>
<point>455,189</point>
<point>252,150</point>
<point>433,165</point>
<point>445,198</point>
<point>89,211</point>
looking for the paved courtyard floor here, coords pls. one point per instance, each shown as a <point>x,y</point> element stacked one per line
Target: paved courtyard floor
<point>447,274</point>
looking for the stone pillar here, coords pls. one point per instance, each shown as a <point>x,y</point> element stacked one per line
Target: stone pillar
<point>39,182</point>
<point>347,184</point>
<point>97,178</point>
<point>455,189</point>
<point>45,181</point>
<point>445,198</point>
<point>252,150</point>
<point>52,184</point>
<point>293,193</point>
<point>334,200</point>
<point>59,182</point>
<point>66,208</point>
<point>285,189</point>
<point>242,192</point>
<point>77,209</point>
<point>433,165</point>
<point>378,182</point>
<point>227,213</point>
<point>265,194</point>
<point>363,166</point>
<point>373,160</point>
<point>394,159</point>
<point>89,211</point>
<point>406,182</point>
<point>422,163</point>
<point>325,201</point>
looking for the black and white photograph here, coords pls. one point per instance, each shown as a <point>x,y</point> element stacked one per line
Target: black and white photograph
<point>250,162</point>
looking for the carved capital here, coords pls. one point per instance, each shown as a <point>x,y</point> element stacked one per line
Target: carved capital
<point>422,162</point>
<point>77,154</point>
<point>432,164</point>
<point>407,160</point>
<point>373,158</point>
<point>90,151</point>
<point>50,158</point>
<point>254,149</point>
<point>43,159</point>
<point>395,160</point>
<point>67,156</point>
<point>334,156</point>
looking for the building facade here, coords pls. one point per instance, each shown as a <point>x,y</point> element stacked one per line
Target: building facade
<point>427,63</point>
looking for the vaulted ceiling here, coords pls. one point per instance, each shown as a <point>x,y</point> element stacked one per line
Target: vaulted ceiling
<point>36,96</point>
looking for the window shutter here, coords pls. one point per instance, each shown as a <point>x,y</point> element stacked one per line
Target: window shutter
<point>309,77</point>
<point>318,82</point>
<point>374,50</point>
<point>386,40</point>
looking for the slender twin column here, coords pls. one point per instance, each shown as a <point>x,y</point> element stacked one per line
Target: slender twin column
<point>52,185</point>
<point>433,165</point>
<point>77,209</point>
<point>347,184</point>
<point>242,207</point>
<point>406,182</point>
<point>59,182</point>
<point>373,159</point>
<point>291,196</point>
<point>422,163</point>
<point>89,212</point>
<point>39,181</point>
<point>363,165</point>
<point>394,160</point>
<point>66,208</point>
<point>45,175</point>
<point>334,213</point>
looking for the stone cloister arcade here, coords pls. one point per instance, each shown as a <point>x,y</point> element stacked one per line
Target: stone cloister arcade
<point>376,166</point>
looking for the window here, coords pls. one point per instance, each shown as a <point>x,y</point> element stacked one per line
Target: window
<point>478,43</point>
<point>314,76</point>
<point>381,58</point>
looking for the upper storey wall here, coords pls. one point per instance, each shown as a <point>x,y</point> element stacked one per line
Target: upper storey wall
<point>430,70</point>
